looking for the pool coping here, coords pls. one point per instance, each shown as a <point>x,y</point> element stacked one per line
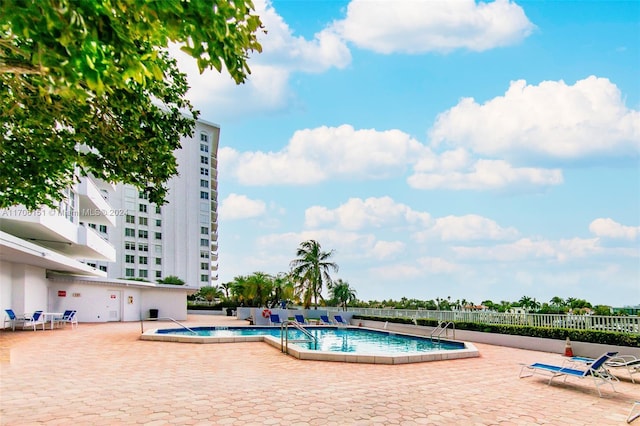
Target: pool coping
<point>469,351</point>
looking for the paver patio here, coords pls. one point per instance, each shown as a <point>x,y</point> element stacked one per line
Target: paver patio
<point>102,374</point>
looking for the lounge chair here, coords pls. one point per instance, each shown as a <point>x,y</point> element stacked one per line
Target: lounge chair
<point>12,320</point>
<point>274,319</point>
<point>300,319</point>
<point>68,317</point>
<point>34,320</point>
<point>596,370</point>
<point>324,319</point>
<point>340,320</point>
<point>630,362</point>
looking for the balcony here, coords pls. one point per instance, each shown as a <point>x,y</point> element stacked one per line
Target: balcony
<point>93,208</point>
<point>46,227</point>
<point>92,246</point>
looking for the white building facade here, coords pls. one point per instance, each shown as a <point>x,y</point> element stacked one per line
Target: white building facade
<point>82,254</point>
<point>179,238</point>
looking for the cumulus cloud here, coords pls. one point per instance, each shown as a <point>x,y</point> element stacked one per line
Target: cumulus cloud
<point>316,155</point>
<point>422,26</point>
<point>236,207</point>
<point>267,87</point>
<point>549,120</point>
<point>532,249</point>
<point>357,214</point>
<point>608,228</point>
<point>467,228</point>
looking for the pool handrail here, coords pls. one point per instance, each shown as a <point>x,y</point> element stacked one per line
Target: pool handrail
<point>164,318</point>
<point>441,328</point>
<point>284,335</point>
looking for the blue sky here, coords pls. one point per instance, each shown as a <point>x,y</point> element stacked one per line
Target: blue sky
<point>441,148</point>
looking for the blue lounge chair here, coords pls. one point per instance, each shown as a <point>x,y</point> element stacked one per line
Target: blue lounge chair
<point>630,362</point>
<point>33,320</point>
<point>339,320</point>
<point>595,370</point>
<point>68,317</point>
<point>274,319</point>
<point>325,319</point>
<point>300,319</point>
<point>12,320</point>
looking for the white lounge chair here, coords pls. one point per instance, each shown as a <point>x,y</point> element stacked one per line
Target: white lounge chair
<point>33,320</point>
<point>595,370</point>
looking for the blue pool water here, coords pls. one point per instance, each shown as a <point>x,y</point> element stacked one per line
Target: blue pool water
<point>331,339</point>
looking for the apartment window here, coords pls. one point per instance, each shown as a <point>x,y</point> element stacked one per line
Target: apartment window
<point>130,218</point>
<point>142,260</point>
<point>93,226</point>
<point>204,277</point>
<point>204,183</point>
<point>143,247</point>
<point>204,137</point>
<point>129,232</point>
<point>158,274</point>
<point>158,249</point>
<point>103,229</point>
<point>142,221</point>
<point>204,147</point>
<point>129,272</point>
<point>143,195</point>
<point>204,159</point>
<point>103,268</point>
<point>204,230</point>
<point>158,222</point>
<point>142,233</point>
<point>204,195</point>
<point>158,210</point>
<point>129,245</point>
<point>93,265</point>
<point>129,258</point>
<point>204,171</point>
<point>143,273</point>
<point>158,261</point>
<point>204,255</point>
<point>158,235</point>
<point>204,242</point>
<point>142,208</point>
<point>204,265</point>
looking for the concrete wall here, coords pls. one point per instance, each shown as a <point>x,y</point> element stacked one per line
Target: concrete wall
<point>23,288</point>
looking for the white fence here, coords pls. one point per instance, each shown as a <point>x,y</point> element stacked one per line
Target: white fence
<point>628,324</point>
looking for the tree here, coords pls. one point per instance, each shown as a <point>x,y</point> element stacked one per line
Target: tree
<point>210,293</point>
<point>88,86</point>
<point>342,293</point>
<point>171,279</point>
<point>311,271</point>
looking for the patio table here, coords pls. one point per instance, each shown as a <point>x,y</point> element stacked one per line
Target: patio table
<point>52,317</point>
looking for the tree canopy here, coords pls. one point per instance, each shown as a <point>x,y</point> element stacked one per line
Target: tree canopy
<point>90,87</point>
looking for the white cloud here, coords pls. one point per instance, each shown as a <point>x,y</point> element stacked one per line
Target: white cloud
<point>527,249</point>
<point>467,228</point>
<point>387,249</point>
<point>240,207</point>
<point>422,26</point>
<point>552,120</point>
<point>609,228</point>
<point>486,174</point>
<point>357,214</point>
<point>316,155</point>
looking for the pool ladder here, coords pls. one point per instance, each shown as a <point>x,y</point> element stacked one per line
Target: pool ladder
<point>284,336</point>
<point>442,328</point>
<point>164,318</point>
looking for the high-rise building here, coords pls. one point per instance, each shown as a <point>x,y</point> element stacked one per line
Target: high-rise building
<point>179,238</point>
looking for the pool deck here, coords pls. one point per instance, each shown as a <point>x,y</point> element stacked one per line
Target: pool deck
<point>103,374</point>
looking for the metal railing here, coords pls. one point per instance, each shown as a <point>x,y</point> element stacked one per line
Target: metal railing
<point>625,324</point>
<point>142,320</point>
<point>443,328</point>
<point>284,336</point>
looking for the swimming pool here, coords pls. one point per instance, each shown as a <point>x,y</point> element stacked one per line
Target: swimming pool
<point>350,344</point>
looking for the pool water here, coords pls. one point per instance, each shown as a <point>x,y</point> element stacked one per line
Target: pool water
<point>331,339</point>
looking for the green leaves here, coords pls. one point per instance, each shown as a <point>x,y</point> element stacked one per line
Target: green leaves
<point>78,80</point>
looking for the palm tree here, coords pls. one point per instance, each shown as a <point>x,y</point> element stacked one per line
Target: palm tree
<point>342,293</point>
<point>311,271</point>
<point>557,302</point>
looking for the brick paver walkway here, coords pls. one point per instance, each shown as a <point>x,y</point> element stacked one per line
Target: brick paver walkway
<point>102,374</point>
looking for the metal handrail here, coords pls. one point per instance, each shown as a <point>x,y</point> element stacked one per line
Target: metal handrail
<point>284,335</point>
<point>441,328</point>
<point>164,318</point>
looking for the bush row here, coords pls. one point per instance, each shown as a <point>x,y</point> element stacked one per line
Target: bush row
<point>588,336</point>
